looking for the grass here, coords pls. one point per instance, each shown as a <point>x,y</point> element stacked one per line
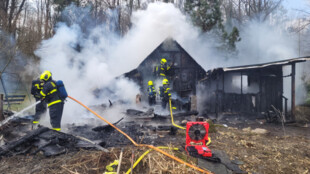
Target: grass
<point>19,107</point>
<point>212,126</point>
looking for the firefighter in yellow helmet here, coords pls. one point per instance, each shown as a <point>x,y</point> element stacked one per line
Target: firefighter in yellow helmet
<point>49,94</point>
<point>163,69</point>
<point>151,93</point>
<point>164,93</point>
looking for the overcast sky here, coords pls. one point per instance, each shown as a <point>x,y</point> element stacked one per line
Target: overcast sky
<point>293,6</point>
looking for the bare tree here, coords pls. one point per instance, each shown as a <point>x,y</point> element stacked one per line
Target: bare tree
<point>10,11</point>
<point>243,10</point>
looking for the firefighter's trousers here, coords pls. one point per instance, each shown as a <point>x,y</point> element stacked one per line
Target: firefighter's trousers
<point>56,114</point>
<point>40,110</point>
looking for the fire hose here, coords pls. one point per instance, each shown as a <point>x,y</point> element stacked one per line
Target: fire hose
<point>141,145</point>
<point>172,117</point>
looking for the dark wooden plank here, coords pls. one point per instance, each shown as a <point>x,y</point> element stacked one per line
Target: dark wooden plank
<point>16,96</point>
<point>14,100</point>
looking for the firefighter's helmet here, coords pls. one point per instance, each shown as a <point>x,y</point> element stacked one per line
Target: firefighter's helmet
<point>46,75</point>
<point>150,83</point>
<point>165,82</point>
<point>163,61</point>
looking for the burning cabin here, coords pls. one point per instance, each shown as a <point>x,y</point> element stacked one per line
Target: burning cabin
<point>251,89</point>
<point>183,75</point>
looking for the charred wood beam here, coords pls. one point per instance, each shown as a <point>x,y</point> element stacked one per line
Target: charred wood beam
<point>183,114</point>
<point>1,108</point>
<point>285,106</point>
<point>93,144</point>
<point>217,96</point>
<point>293,91</point>
<point>50,142</point>
<point>9,147</point>
<point>106,127</point>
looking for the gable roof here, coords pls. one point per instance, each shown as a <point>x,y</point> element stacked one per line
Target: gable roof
<point>168,45</point>
<point>171,45</point>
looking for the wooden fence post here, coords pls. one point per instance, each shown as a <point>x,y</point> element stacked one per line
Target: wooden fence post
<point>1,108</point>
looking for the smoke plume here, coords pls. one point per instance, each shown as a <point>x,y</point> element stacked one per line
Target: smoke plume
<point>89,62</point>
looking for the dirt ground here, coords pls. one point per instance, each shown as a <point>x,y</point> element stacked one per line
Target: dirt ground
<point>267,153</point>
<point>271,152</point>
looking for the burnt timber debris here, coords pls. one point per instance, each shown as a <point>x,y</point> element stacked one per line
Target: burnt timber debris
<point>52,143</point>
<point>20,139</point>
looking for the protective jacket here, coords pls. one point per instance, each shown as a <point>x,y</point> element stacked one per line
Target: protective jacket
<point>162,70</point>
<point>50,93</point>
<point>151,91</point>
<point>36,87</point>
<point>164,93</point>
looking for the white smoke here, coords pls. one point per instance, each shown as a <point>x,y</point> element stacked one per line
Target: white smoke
<point>85,73</point>
<point>105,56</point>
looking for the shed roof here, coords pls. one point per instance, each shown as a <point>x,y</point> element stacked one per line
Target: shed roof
<point>213,72</point>
<point>263,65</point>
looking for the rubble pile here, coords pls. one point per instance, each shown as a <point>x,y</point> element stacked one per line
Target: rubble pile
<point>19,137</point>
<point>246,147</point>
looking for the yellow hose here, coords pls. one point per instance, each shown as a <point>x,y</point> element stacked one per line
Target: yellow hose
<point>172,117</point>
<point>144,154</point>
<point>209,141</point>
<point>141,145</point>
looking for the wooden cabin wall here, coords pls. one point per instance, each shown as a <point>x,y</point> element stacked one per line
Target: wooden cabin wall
<point>271,88</point>
<point>246,91</point>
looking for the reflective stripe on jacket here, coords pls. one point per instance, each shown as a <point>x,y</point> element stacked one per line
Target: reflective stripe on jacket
<point>162,69</point>
<point>36,87</point>
<point>151,90</point>
<point>50,93</point>
<point>166,92</point>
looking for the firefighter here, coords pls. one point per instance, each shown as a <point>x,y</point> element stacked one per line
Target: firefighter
<point>164,93</point>
<point>151,93</point>
<point>36,87</point>
<point>162,69</point>
<point>50,95</point>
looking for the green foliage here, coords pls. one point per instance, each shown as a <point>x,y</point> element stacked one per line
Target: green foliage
<point>206,14</point>
<point>230,39</point>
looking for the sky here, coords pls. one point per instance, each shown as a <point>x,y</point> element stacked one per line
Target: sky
<point>293,6</point>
